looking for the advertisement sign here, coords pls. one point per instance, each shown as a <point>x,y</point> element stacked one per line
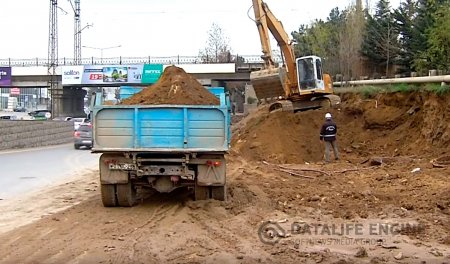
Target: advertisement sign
<point>135,73</point>
<point>92,74</point>
<point>5,75</point>
<point>14,91</point>
<point>115,74</point>
<point>111,74</point>
<point>72,74</point>
<point>151,73</point>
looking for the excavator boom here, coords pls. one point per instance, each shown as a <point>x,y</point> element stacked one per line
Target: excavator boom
<point>273,82</point>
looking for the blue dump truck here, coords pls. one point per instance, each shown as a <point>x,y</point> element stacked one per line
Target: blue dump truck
<point>163,147</point>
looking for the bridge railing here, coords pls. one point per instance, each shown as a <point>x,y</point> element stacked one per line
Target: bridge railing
<point>10,62</point>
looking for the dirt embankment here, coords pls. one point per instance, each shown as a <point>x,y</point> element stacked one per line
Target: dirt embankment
<point>389,124</point>
<point>175,86</point>
<point>400,123</point>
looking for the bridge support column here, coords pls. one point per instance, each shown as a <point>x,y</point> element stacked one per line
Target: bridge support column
<point>56,101</point>
<point>72,102</point>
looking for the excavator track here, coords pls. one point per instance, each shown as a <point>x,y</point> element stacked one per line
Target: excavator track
<point>281,105</point>
<point>329,101</point>
<point>326,101</point>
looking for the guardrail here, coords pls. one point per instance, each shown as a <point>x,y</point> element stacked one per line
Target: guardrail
<point>126,60</point>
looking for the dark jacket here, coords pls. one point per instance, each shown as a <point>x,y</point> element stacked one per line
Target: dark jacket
<point>328,131</point>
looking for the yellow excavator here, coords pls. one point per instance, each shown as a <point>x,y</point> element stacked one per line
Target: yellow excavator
<point>299,84</point>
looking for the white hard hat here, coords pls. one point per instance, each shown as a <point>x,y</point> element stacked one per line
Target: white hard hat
<point>328,116</point>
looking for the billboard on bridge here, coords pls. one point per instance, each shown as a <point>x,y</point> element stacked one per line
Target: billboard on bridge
<point>110,74</point>
<point>5,76</point>
<point>152,72</point>
<point>72,74</point>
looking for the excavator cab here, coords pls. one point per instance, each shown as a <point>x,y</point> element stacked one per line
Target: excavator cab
<point>310,74</point>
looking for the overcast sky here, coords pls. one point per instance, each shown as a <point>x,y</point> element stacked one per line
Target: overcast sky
<point>147,27</point>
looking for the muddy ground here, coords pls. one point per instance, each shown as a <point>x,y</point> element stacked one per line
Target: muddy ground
<point>383,202</point>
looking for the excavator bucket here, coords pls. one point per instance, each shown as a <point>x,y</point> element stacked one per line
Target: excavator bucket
<point>267,83</point>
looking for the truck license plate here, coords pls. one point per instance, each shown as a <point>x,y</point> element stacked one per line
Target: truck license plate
<point>122,166</point>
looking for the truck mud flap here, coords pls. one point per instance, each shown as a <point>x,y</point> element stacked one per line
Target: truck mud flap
<point>213,173</point>
<point>108,176</point>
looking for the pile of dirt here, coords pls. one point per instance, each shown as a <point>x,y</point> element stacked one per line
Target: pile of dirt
<point>389,125</point>
<point>281,137</point>
<point>175,86</point>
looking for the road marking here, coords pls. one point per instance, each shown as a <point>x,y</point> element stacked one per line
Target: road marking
<point>32,149</point>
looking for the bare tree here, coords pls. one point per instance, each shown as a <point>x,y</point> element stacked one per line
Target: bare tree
<point>351,37</point>
<point>217,48</point>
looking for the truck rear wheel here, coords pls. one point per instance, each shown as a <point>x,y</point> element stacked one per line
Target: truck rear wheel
<point>109,198</point>
<point>219,193</point>
<point>126,195</point>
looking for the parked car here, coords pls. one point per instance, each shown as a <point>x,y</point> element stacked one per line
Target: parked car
<point>20,109</point>
<point>62,118</point>
<point>35,112</point>
<point>83,136</point>
<point>8,117</point>
<point>40,114</point>
<point>78,121</point>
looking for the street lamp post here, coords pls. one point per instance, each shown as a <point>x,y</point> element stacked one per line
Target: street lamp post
<point>101,50</point>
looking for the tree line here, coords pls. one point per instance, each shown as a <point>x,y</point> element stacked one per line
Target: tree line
<point>414,37</point>
<point>357,43</point>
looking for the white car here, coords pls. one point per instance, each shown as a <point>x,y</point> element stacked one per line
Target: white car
<point>77,121</point>
<point>62,118</point>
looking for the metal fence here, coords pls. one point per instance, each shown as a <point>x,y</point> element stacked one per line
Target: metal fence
<point>28,98</point>
<point>126,60</point>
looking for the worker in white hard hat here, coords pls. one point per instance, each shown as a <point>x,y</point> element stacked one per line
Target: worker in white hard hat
<point>328,136</point>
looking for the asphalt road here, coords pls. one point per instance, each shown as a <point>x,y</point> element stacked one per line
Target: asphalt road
<point>29,170</point>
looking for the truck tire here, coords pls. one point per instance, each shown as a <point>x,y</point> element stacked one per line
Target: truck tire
<point>76,146</point>
<point>201,192</point>
<point>109,198</point>
<point>126,194</point>
<point>219,193</point>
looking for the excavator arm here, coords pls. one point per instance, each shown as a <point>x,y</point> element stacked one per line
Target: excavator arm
<point>266,21</point>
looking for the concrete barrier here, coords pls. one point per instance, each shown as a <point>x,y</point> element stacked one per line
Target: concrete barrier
<point>28,134</point>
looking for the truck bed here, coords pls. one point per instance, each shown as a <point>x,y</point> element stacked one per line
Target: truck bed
<point>161,128</point>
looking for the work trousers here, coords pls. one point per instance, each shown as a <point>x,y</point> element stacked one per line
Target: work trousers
<point>328,145</point>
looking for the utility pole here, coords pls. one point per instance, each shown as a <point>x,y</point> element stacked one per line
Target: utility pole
<point>77,33</point>
<point>53,53</point>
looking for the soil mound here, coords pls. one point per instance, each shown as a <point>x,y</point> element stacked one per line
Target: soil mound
<point>387,125</point>
<point>281,137</point>
<point>174,87</point>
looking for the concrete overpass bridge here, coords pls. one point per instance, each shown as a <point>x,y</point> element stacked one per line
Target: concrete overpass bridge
<point>29,79</point>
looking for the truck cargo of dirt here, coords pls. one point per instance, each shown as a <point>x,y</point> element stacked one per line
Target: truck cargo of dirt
<point>176,87</point>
